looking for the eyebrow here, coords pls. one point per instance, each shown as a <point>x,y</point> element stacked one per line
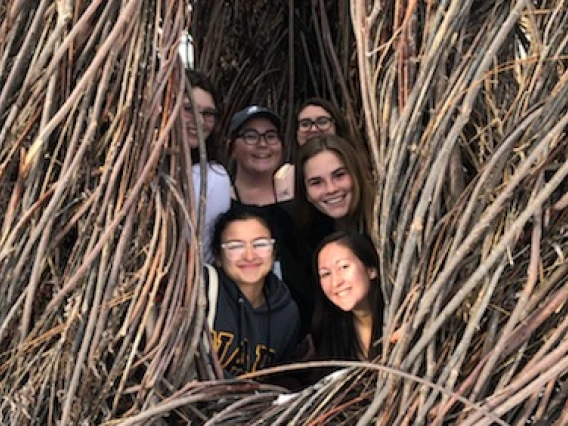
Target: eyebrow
<point>339,169</point>
<point>251,240</point>
<point>248,129</point>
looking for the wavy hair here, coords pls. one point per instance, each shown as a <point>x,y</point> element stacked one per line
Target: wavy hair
<point>361,209</point>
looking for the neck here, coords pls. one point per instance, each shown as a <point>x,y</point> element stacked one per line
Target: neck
<point>253,293</point>
<point>363,321</point>
<point>255,188</point>
<point>255,179</point>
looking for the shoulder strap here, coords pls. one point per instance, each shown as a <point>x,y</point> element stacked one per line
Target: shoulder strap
<point>212,294</point>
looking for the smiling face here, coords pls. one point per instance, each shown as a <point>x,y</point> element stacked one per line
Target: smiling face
<point>344,279</point>
<point>250,266</point>
<point>207,115</point>
<point>261,157</point>
<point>329,185</point>
<point>313,113</point>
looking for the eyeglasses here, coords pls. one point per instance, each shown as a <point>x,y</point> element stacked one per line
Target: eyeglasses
<point>208,114</point>
<point>322,124</point>
<point>252,137</point>
<point>234,250</point>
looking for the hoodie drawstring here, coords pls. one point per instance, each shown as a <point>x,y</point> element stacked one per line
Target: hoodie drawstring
<point>240,332</point>
<point>267,301</point>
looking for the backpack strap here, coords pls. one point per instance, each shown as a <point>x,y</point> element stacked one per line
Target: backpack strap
<point>212,294</point>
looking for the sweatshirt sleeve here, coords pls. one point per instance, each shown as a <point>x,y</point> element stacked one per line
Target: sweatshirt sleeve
<point>218,199</point>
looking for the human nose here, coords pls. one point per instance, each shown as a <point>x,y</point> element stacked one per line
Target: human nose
<point>262,139</point>
<point>200,118</point>
<point>336,279</point>
<point>330,187</point>
<point>249,252</point>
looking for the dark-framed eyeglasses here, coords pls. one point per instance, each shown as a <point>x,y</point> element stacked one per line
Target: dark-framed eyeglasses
<point>322,123</point>
<point>252,137</point>
<point>208,114</point>
<point>263,247</point>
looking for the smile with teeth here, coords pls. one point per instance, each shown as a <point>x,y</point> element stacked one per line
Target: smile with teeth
<point>335,200</point>
<point>343,292</point>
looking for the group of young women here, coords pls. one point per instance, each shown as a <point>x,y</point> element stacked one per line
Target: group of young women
<point>288,245</point>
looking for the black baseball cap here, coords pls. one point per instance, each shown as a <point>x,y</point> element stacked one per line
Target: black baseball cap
<point>250,112</point>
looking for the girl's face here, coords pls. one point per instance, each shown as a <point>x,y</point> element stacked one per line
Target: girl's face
<point>207,115</point>
<point>313,120</point>
<point>329,185</point>
<point>344,279</point>
<point>258,147</point>
<point>247,252</point>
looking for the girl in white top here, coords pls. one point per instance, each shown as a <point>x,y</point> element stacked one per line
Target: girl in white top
<point>218,196</point>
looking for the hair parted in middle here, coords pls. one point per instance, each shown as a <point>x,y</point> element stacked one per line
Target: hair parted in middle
<point>333,329</point>
<point>197,80</point>
<point>361,209</point>
<point>341,126</point>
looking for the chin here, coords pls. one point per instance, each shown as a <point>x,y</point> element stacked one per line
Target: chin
<point>336,215</point>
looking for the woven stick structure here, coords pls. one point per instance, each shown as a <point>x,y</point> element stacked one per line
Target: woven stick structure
<point>463,108</point>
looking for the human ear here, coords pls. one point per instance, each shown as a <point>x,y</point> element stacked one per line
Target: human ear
<point>372,273</point>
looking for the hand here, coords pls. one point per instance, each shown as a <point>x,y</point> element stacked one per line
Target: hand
<point>284,182</point>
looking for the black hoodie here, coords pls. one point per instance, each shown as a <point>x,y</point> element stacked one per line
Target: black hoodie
<point>248,339</point>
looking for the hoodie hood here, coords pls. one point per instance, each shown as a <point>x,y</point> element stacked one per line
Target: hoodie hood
<point>276,293</point>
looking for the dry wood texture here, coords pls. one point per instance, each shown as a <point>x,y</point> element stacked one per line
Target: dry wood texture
<point>463,108</point>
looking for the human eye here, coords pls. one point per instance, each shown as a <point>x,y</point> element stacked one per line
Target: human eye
<point>271,136</point>
<point>188,108</point>
<point>305,124</point>
<point>263,246</point>
<point>234,246</point>
<point>340,173</point>
<point>261,243</point>
<point>323,274</point>
<point>323,121</point>
<point>314,182</point>
<point>209,114</point>
<point>250,136</point>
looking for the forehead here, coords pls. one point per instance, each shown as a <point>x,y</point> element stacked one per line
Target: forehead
<point>313,111</point>
<point>322,164</point>
<point>202,98</point>
<point>245,229</point>
<point>335,252</point>
<point>260,124</point>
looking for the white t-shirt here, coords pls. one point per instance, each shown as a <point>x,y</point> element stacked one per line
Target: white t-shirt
<point>218,199</point>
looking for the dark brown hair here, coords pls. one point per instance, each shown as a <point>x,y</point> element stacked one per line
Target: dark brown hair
<point>213,149</point>
<point>341,127</point>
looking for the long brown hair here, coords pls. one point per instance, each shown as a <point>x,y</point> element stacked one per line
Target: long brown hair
<point>333,330</point>
<point>199,80</point>
<point>361,208</point>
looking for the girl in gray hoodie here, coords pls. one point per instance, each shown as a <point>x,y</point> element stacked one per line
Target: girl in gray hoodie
<point>255,322</point>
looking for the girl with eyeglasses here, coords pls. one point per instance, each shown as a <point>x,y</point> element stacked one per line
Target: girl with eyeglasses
<point>318,116</point>
<point>315,116</point>
<point>255,147</point>
<point>256,322</point>
<point>206,115</point>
